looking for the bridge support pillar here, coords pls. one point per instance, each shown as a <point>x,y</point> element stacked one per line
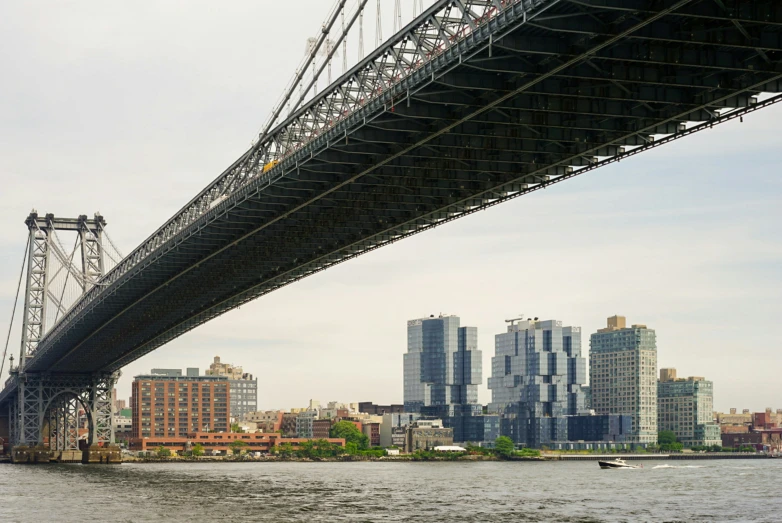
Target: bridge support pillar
<point>44,419</point>
<point>108,454</point>
<point>36,454</point>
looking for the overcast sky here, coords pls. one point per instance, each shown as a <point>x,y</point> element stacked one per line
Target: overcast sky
<point>131,108</point>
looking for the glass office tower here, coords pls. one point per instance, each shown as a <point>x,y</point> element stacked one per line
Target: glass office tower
<point>537,378</point>
<point>442,371</point>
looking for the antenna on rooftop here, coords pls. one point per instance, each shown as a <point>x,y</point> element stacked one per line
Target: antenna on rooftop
<point>520,318</point>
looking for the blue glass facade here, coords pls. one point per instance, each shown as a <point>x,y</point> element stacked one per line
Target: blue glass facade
<point>442,371</point>
<point>537,375</point>
<point>609,427</point>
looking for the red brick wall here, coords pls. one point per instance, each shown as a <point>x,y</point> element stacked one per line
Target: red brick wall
<point>175,408</point>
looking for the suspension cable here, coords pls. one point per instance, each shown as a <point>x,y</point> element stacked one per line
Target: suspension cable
<point>16,300</point>
<point>106,235</point>
<point>316,74</point>
<point>310,59</point>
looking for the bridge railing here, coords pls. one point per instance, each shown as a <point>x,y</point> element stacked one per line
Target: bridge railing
<point>374,82</point>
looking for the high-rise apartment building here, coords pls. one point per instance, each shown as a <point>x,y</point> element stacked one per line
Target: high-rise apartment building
<point>536,381</point>
<point>165,406</point>
<point>623,376</point>
<point>685,406</point>
<point>244,389</point>
<point>442,371</point>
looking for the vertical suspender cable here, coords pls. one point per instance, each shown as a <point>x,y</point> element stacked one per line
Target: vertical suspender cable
<point>16,300</point>
<point>378,27</point>
<point>418,7</point>
<point>310,59</point>
<point>334,47</point>
<point>344,45</point>
<point>361,35</point>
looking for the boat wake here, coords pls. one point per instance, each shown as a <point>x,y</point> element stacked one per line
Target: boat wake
<point>678,466</point>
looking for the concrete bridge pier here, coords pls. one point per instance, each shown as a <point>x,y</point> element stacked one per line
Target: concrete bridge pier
<point>107,454</point>
<point>31,455</point>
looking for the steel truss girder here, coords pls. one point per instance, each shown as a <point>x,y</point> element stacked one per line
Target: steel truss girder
<point>718,48</point>
<point>763,12</point>
<point>475,203</point>
<point>425,46</point>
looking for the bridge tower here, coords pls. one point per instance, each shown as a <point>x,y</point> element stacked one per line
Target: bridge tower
<point>44,418</point>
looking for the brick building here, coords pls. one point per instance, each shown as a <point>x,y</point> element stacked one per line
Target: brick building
<point>372,431</point>
<point>320,428</point>
<point>169,406</point>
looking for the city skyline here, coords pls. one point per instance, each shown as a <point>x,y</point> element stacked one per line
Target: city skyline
<point>480,386</point>
<point>669,238</point>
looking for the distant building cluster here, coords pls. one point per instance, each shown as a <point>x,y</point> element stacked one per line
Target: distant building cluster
<point>539,398</point>
<point>538,384</point>
<point>759,430</point>
<point>168,405</point>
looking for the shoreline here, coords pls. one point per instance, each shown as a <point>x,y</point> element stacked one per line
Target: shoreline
<point>406,459</point>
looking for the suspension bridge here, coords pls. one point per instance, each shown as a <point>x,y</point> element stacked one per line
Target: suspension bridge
<point>467,105</point>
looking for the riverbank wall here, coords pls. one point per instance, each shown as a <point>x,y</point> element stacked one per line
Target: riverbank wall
<point>410,459</point>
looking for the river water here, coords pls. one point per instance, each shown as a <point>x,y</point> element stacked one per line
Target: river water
<point>719,490</point>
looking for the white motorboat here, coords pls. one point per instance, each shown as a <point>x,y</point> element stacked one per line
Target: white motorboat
<point>617,463</point>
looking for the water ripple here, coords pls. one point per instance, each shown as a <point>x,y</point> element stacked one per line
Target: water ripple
<point>577,492</point>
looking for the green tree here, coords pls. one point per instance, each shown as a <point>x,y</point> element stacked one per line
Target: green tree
<point>327,449</point>
<point>237,446</point>
<point>307,449</point>
<point>163,452</point>
<point>528,453</point>
<point>350,433</point>
<point>666,437</point>
<point>198,450</point>
<point>236,428</point>
<point>285,450</point>
<point>504,446</point>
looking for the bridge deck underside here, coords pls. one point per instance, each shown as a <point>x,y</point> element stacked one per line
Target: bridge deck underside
<point>560,91</point>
